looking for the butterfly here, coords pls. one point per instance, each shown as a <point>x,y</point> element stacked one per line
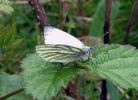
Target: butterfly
<point>62,47</point>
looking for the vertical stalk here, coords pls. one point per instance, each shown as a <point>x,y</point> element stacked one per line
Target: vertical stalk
<point>41,15</point>
<point>131,21</point>
<point>107,21</point>
<point>71,90</point>
<point>80,8</point>
<point>103,95</point>
<point>106,40</point>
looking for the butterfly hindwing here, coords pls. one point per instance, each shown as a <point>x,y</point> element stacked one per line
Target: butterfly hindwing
<point>58,53</point>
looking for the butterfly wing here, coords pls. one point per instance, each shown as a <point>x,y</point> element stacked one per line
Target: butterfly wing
<point>56,36</point>
<point>58,53</point>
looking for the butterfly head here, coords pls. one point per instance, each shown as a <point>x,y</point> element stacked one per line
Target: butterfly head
<point>86,53</point>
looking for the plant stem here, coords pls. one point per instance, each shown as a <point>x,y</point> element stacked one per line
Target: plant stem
<point>131,21</point>
<point>41,15</point>
<point>103,95</point>
<point>80,6</point>
<point>11,94</point>
<point>106,40</point>
<point>107,21</point>
<point>71,90</point>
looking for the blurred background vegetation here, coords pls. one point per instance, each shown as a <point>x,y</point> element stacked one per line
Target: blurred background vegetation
<point>20,33</point>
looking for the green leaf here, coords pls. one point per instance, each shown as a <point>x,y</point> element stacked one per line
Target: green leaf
<point>113,92</point>
<point>5,6</point>
<point>114,13</point>
<point>10,83</point>
<point>43,79</point>
<point>98,20</point>
<point>9,39</point>
<point>99,17</point>
<point>116,63</point>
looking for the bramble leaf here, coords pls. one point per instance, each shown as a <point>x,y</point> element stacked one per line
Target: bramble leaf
<point>43,79</point>
<point>116,63</point>
<point>11,83</point>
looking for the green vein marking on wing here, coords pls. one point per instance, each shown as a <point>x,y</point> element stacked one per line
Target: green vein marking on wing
<point>58,53</point>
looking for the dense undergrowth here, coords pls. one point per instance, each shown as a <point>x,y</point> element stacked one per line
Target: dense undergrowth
<point>21,66</point>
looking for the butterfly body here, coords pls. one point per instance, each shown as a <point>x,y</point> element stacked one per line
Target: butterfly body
<point>61,47</point>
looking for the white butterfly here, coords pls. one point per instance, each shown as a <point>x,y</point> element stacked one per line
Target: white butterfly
<point>62,47</point>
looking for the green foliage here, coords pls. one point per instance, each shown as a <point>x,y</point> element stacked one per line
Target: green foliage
<point>12,50</point>
<point>117,63</point>
<point>18,37</point>
<point>99,18</point>
<point>9,43</point>
<point>10,83</point>
<point>43,79</point>
<point>5,6</point>
<point>114,94</point>
<point>120,23</point>
<point>9,39</point>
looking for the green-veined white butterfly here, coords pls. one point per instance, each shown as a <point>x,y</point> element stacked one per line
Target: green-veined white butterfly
<point>62,47</point>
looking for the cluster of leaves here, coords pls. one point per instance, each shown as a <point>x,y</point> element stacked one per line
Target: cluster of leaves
<point>12,83</point>
<point>9,43</point>
<point>45,77</point>
<point>16,36</point>
<point>5,6</point>
<point>98,22</point>
<point>116,63</point>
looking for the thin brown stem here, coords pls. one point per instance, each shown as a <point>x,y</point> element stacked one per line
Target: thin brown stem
<point>41,15</point>
<point>106,40</point>
<point>131,20</point>
<point>80,7</point>
<point>103,95</point>
<point>71,90</point>
<point>107,21</point>
<point>11,94</point>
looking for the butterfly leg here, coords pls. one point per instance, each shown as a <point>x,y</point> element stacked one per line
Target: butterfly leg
<point>92,60</point>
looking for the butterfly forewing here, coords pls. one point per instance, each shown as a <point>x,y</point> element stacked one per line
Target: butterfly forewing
<point>56,36</point>
<point>58,53</point>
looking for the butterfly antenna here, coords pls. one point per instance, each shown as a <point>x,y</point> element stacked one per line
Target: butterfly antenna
<point>107,33</point>
<point>94,48</point>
